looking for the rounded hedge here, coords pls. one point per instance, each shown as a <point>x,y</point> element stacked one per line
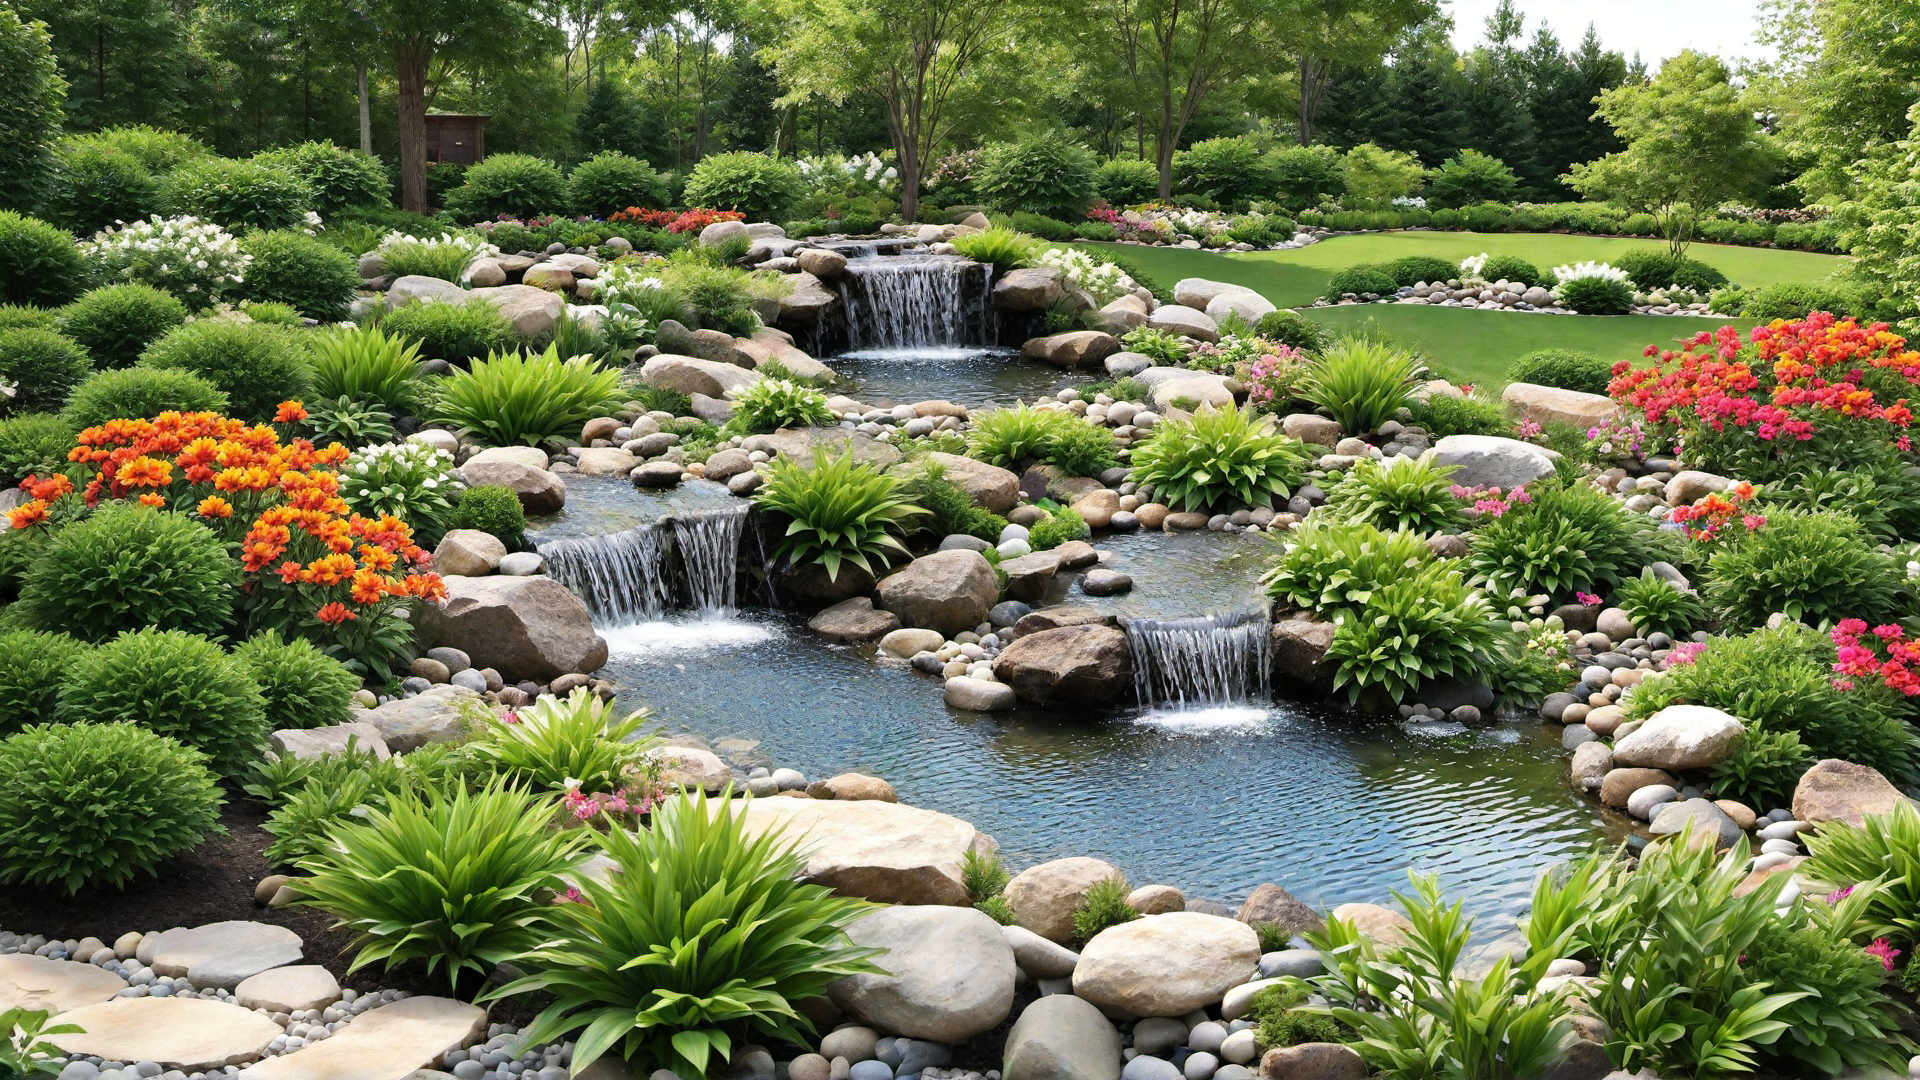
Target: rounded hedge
<point>493,510</point>
<point>115,324</point>
<point>1231,170</point>
<point>126,567</point>
<point>39,262</point>
<point>339,179</point>
<point>33,443</point>
<point>96,184</point>
<point>1289,327</point>
<point>33,666</point>
<point>43,367</point>
<point>257,365</point>
<point>292,268</point>
<point>239,194</point>
<point>303,686</point>
<point>761,187</point>
<point>1125,181</point>
<point>1794,300</point>
<point>176,684</point>
<point>610,181</point>
<point>1469,178</point>
<point>1360,280</point>
<point>1041,174</point>
<point>18,316</point>
<point>1514,268</point>
<point>1411,270</point>
<point>1596,296</point>
<point>1816,566</point>
<point>517,185</point>
<point>1567,369</point>
<point>92,805</point>
<point>1653,268</point>
<point>139,393</point>
<point>456,333</point>
<point>159,150</point>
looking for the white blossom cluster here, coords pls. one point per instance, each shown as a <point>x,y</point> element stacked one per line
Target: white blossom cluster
<point>192,259</point>
<point>868,169</point>
<point>395,477</point>
<point>624,280</point>
<point>1473,266</point>
<point>1572,271</point>
<point>396,247</point>
<point>1105,281</point>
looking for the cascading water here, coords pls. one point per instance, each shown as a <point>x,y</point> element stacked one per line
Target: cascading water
<point>709,546</point>
<point>633,576</point>
<point>916,301</point>
<point>1202,661</point>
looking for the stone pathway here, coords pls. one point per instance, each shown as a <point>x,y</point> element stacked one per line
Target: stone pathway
<point>386,1043</point>
<point>35,982</point>
<point>221,954</point>
<point>192,1034</point>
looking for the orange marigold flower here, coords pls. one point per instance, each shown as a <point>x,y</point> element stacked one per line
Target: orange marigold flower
<point>368,587</point>
<point>426,586</point>
<point>376,558</point>
<point>290,571</point>
<point>152,499</point>
<point>328,570</point>
<point>145,472</point>
<point>27,514</point>
<point>334,614</point>
<point>258,553</point>
<point>213,506</point>
<point>48,489</point>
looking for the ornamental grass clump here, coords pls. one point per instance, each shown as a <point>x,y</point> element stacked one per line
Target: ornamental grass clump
<point>1884,848</point>
<point>446,256</point>
<point>1399,493</point>
<point>513,398</point>
<point>577,742</point>
<point>772,404</point>
<point>702,940</point>
<point>58,831</point>
<point>839,512</point>
<point>1361,383</point>
<point>1005,248</point>
<point>1220,457</point>
<point>462,881</point>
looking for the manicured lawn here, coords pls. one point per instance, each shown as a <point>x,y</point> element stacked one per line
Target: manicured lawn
<point>1286,284</point>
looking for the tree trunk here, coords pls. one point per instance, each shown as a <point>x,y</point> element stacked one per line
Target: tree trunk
<point>903,124</point>
<point>366,114</point>
<point>412,77</point>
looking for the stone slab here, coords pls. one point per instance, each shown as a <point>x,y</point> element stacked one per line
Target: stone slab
<point>191,1034</point>
<point>387,1043</point>
<point>36,983</point>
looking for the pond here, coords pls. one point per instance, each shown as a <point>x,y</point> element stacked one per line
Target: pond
<point>966,375</point>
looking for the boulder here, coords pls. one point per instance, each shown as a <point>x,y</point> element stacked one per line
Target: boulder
<point>723,232</point>
<point>1201,388</point>
<point>876,850</point>
<point>386,1043</point>
<point>173,1032</point>
<point>548,276</point>
<point>433,716</point>
<point>1055,617</point>
<point>531,456</point>
<point>1492,461</point>
<point>1028,289</point>
<point>1691,485</point>
<point>948,591</point>
<point>1044,897</point>
<point>989,486</point>
<point>950,973</point>
<point>854,786</point>
<point>540,492</point>
<point>1312,1061</point>
<point>1038,957</point>
<point>1551,404</point>
<point>1699,815</point>
<point>1156,899</point>
<point>1300,646</point>
<point>807,302</point>
<point>418,288</point>
<point>1061,1037</point>
<point>523,627</point>
<point>691,768</point>
<point>308,744</point>
<point>1312,428</point>
<point>1072,665</point>
<point>38,984</point>
<point>969,694</point>
<point>906,642</point>
<point>1180,319</point>
<point>468,553</point>
<point>1075,349</point>
<point>1029,576</point>
<point>692,375</point>
<point>1835,790</point>
<point>1122,315</point>
<point>1271,905</point>
<point>604,461</point>
<point>1591,763</point>
<point>854,622</point>
<point>1197,293</point>
<point>1166,965</point>
<point>1245,303</point>
<point>532,311</point>
<point>1680,737</point>
<point>1097,508</point>
<point>820,262</point>
<point>1618,785</point>
<point>485,273</point>
<point>1384,925</point>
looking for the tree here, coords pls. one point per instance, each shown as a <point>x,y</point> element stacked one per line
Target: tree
<point>1881,226</point>
<point>1428,96</point>
<point>124,61</point>
<point>1849,70</point>
<point>1691,141</point>
<point>29,112</point>
<point>608,121</point>
<point>1325,34</point>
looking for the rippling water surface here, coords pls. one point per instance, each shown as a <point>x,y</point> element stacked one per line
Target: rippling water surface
<point>968,376</point>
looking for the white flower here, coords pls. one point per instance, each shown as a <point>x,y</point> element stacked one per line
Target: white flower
<point>1589,269</point>
<point>1472,265</point>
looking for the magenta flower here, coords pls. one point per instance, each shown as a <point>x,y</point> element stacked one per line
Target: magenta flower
<point>1588,599</point>
<point>1838,895</point>
<point>1883,949</point>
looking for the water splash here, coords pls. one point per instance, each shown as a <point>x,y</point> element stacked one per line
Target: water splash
<point>709,547</point>
<point>1208,660</point>
<point>639,574</point>
<point>909,301</point>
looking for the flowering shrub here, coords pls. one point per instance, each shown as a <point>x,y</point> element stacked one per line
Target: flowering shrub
<point>686,221</point>
<point>1273,376</point>
<point>1710,516</point>
<point>1105,281</point>
<point>407,480</point>
<point>1819,393</point>
<point>1491,501</point>
<point>1887,655</point>
<point>1472,267</point>
<point>194,260</point>
<point>310,566</point>
<point>861,174</point>
<point>1615,439</point>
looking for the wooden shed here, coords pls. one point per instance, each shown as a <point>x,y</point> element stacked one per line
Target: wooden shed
<point>456,137</point>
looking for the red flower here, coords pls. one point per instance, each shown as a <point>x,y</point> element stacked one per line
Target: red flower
<point>290,412</point>
<point>334,614</point>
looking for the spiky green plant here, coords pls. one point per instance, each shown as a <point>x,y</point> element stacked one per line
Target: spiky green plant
<point>556,741</point>
<point>1005,248</point>
<point>839,512</point>
<point>1011,438</point>
<point>1224,456</point>
<point>1883,847</point>
<point>1104,905</point>
<point>1657,605</point>
<point>1361,383</point>
<point>513,398</point>
<point>1329,567</point>
<point>772,404</point>
<point>365,362</point>
<point>1398,493</point>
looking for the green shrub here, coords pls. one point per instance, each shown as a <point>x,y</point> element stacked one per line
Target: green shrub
<point>159,151</point>
<point>950,511</point>
<point>128,567</point>
<point>1399,493</point>
<point>493,510</point>
<point>1658,606</point>
<point>21,317</point>
<point>1570,538</point>
<point>840,512</point>
<point>512,398</point>
<point>339,179</point>
<point>1884,496</point>
<point>293,268</point>
<point>1042,226</point>
<point>1220,457</point>
<point>1279,1020</point>
<point>557,744</point>
<point>366,363</point>
<point>737,936</point>
<point>1514,268</point>
<point>983,876</point>
<point>39,262</point>
<point>1362,383</point>
<point>1081,449</point>
<point>1332,567</point>
<point>761,187</point>
<point>257,365</point>
<point>1884,847</point>
<point>1231,171</point>
<point>460,334</point>
<point>445,256</point>
<point>718,297</point>
<point>517,185</point>
<point>1001,246</point>
<point>1161,346</point>
<point>1568,369</point>
<point>1059,526</point>
<point>1656,268</point>
<point>1411,270</point>
<point>239,194</point>
<point>42,366</point>
<point>57,830</point>
<point>139,394</point>
<point>116,323</point>
<point>1305,176</point>
<point>1595,295</point>
<point>1817,567</point>
<point>302,686</point>
<point>1444,414</point>
<point>33,666</point>
<point>1011,438</point>
<point>772,404</point>
<point>1763,769</point>
<point>1413,630</point>
<point>1469,178</point>
<point>95,184</point>
<point>459,880</point>
<point>1045,173</point>
<point>1793,300</point>
<point>610,181</point>
<point>1288,327</point>
<point>1103,905</point>
<point>174,683</point>
<point>1359,281</point>
<point>311,797</point>
<point>1126,181</point>
<point>33,443</point>
<point>35,94</point>
<point>1847,1020</point>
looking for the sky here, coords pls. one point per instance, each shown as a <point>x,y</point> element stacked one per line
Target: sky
<point>1656,29</point>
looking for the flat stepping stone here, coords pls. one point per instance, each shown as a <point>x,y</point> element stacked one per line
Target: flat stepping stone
<point>36,983</point>
<point>387,1043</point>
<point>289,989</point>
<point>190,1034</point>
<point>220,954</point>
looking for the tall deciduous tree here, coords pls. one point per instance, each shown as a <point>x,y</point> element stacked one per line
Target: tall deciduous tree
<point>1324,34</point>
<point>1851,70</point>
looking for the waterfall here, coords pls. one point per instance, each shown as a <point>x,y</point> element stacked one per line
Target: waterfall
<point>916,301</point>
<point>633,576</point>
<point>1208,660</point>
<point>709,546</point>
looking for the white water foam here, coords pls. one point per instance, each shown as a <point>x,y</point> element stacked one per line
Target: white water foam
<point>671,638</point>
<point>1216,719</point>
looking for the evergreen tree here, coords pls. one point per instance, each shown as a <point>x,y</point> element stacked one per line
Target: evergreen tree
<point>125,61</point>
<point>30,112</point>
<point>1427,94</point>
<point>609,120</point>
<point>1497,96</point>
<point>1357,107</point>
<point>1594,72</point>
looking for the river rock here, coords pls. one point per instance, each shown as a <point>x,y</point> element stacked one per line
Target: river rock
<point>1591,763</point>
<point>468,553</point>
<point>385,1043</point>
<point>1493,461</point>
<point>948,591</point>
<point>1553,405</point>
<point>531,311</point>
<point>1835,790</point>
<point>1312,1061</point>
<point>1028,289</point>
<point>854,622</point>
<point>1072,665</point>
<point>1691,485</point>
<point>36,983</point>
<point>1272,905</point>
<point>1312,428</point>
<point>880,851</point>
<point>540,492</point>
<point>439,714</point>
<point>1618,785</point>
<point>190,1034</point>
<point>950,973</point>
<point>1075,349</point>
<point>1156,899</point>
<point>853,786</point>
<point>1044,897</point>
<point>310,743</point>
<point>978,695</point>
<point>411,288</point>
<point>289,989</point>
<point>1704,818</point>
<point>605,461</point>
<point>1300,650</point>
<point>1062,1037</point>
<point>1680,737</point>
<point>909,641</point>
<point>989,486</point>
<point>1180,319</point>
<point>1384,925</point>
<point>821,263</point>
<point>1166,965</point>
<point>1038,957</point>
<point>523,627</point>
<point>692,375</point>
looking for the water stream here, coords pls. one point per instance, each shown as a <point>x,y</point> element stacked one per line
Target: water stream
<point>916,301</point>
<point>1205,660</point>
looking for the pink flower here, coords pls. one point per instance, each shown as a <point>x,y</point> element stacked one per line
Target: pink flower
<point>1588,599</point>
<point>1839,894</point>
<point>1753,521</point>
<point>1685,652</point>
<point>571,896</point>
<point>1883,949</point>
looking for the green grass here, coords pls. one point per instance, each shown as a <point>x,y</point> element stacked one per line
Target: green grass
<point>1285,284</point>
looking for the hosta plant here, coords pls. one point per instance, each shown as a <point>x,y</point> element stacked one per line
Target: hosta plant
<point>1398,493</point>
<point>1361,383</point>
<point>1657,605</point>
<point>703,939</point>
<point>1568,538</point>
<point>511,398</point>
<point>577,742</point>
<point>1329,567</point>
<point>771,404</point>
<point>839,512</point>
<point>461,881</point>
<point>1220,457</point>
<point>1413,630</point>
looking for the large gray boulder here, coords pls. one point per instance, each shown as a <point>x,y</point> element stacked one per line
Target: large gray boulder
<point>989,486</point>
<point>1680,737</point>
<point>692,375</point>
<point>1072,665</point>
<point>440,714</point>
<point>874,849</point>
<point>1074,349</point>
<point>1481,461</point>
<point>1028,289</point>
<point>540,492</point>
<point>1835,790</point>
<point>949,591</point>
<point>1166,965</point>
<point>531,310</point>
<point>808,302</point>
<point>523,627</point>
<point>1180,319</point>
<point>1300,645</point>
<point>950,973</point>
<point>1245,303</point>
<point>418,288</point>
<point>1061,1037</point>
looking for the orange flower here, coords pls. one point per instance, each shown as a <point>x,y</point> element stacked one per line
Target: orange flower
<point>368,587</point>
<point>27,514</point>
<point>290,412</point>
<point>374,558</point>
<point>49,489</point>
<point>328,570</point>
<point>213,506</point>
<point>145,472</point>
<point>426,586</point>
<point>153,500</point>
<point>334,614</point>
<point>289,571</point>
